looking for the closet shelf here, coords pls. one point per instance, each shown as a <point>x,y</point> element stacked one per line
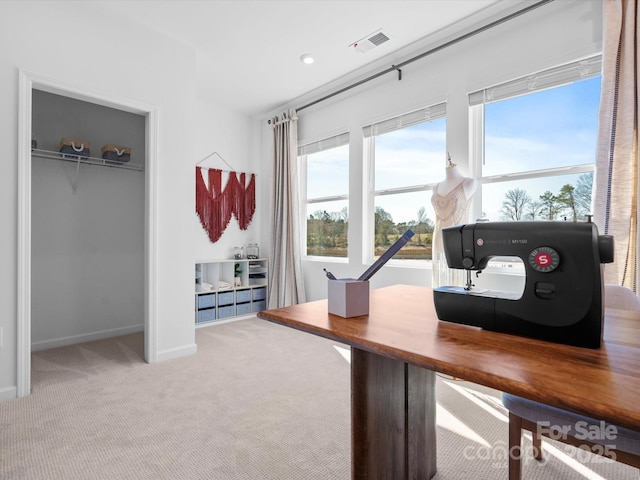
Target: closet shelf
<point>67,157</point>
<point>80,160</point>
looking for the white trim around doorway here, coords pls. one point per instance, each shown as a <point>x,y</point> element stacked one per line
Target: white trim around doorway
<point>27,83</point>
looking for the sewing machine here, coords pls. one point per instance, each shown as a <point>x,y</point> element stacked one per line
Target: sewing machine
<point>562,297</point>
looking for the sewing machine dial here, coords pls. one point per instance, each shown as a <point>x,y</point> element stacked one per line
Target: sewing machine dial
<point>544,259</point>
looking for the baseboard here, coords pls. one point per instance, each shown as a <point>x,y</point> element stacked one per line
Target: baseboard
<point>86,337</point>
<point>226,320</point>
<point>8,393</point>
<point>177,352</point>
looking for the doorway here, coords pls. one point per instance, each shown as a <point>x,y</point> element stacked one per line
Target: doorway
<point>28,83</point>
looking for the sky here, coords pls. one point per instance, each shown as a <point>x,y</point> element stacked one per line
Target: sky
<point>550,128</point>
<point>559,128</point>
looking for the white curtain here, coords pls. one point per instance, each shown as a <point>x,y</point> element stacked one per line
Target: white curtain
<point>616,179</point>
<point>286,282</point>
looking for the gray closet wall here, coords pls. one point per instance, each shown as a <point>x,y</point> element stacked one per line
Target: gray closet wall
<point>87,252</point>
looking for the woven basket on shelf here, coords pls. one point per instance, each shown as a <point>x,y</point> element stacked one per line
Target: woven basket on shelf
<point>75,147</point>
<point>116,153</point>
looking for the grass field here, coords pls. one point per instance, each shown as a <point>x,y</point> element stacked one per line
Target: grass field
<point>409,252</point>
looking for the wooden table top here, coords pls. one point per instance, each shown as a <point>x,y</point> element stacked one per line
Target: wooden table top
<point>402,324</point>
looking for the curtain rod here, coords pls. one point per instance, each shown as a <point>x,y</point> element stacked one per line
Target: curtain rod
<point>398,67</point>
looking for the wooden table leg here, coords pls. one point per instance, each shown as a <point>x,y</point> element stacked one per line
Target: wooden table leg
<point>393,431</point>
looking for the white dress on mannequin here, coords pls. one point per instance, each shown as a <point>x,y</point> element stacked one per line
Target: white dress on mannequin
<point>451,199</point>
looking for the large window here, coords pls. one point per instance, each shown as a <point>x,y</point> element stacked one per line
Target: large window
<point>325,173</point>
<point>535,144</point>
<point>406,157</point>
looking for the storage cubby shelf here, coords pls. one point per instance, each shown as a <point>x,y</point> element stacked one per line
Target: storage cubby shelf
<point>217,298</point>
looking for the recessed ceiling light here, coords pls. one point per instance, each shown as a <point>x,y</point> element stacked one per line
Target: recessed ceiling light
<point>307,59</point>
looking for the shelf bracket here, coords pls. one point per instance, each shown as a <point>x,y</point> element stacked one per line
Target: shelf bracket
<point>74,182</point>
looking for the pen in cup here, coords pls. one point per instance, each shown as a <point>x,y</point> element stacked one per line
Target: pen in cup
<point>330,275</point>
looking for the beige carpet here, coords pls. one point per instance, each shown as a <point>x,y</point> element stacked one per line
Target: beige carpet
<point>258,401</point>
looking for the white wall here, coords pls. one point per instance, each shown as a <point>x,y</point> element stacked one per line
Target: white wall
<point>557,33</point>
<point>235,137</point>
<point>87,249</point>
<point>111,58</point>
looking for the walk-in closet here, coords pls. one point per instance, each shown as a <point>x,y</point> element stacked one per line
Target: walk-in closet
<point>87,222</point>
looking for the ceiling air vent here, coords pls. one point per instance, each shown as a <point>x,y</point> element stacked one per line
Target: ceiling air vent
<point>370,41</point>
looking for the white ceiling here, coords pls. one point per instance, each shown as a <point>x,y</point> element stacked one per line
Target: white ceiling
<point>249,51</point>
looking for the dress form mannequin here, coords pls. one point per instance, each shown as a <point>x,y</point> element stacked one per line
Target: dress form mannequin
<point>451,199</point>
<point>453,178</point>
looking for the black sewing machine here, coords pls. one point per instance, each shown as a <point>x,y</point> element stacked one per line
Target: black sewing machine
<point>562,298</point>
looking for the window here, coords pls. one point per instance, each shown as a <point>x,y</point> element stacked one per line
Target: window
<point>539,144</point>
<point>325,174</point>
<point>406,156</point>
<point>536,143</point>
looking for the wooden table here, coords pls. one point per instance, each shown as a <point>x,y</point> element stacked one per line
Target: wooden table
<point>401,343</point>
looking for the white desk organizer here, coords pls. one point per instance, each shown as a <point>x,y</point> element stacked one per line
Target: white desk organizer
<point>348,297</point>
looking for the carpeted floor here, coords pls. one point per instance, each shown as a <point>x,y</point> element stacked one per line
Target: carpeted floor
<point>258,401</point>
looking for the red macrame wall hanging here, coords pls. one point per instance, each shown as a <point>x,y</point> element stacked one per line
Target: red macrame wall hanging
<point>216,206</point>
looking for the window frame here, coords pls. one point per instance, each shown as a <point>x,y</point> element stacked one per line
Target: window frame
<point>304,150</point>
<point>369,132</point>
<point>551,78</point>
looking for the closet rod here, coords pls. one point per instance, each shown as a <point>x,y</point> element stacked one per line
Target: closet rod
<point>398,67</point>
<point>79,159</point>
<point>100,162</point>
